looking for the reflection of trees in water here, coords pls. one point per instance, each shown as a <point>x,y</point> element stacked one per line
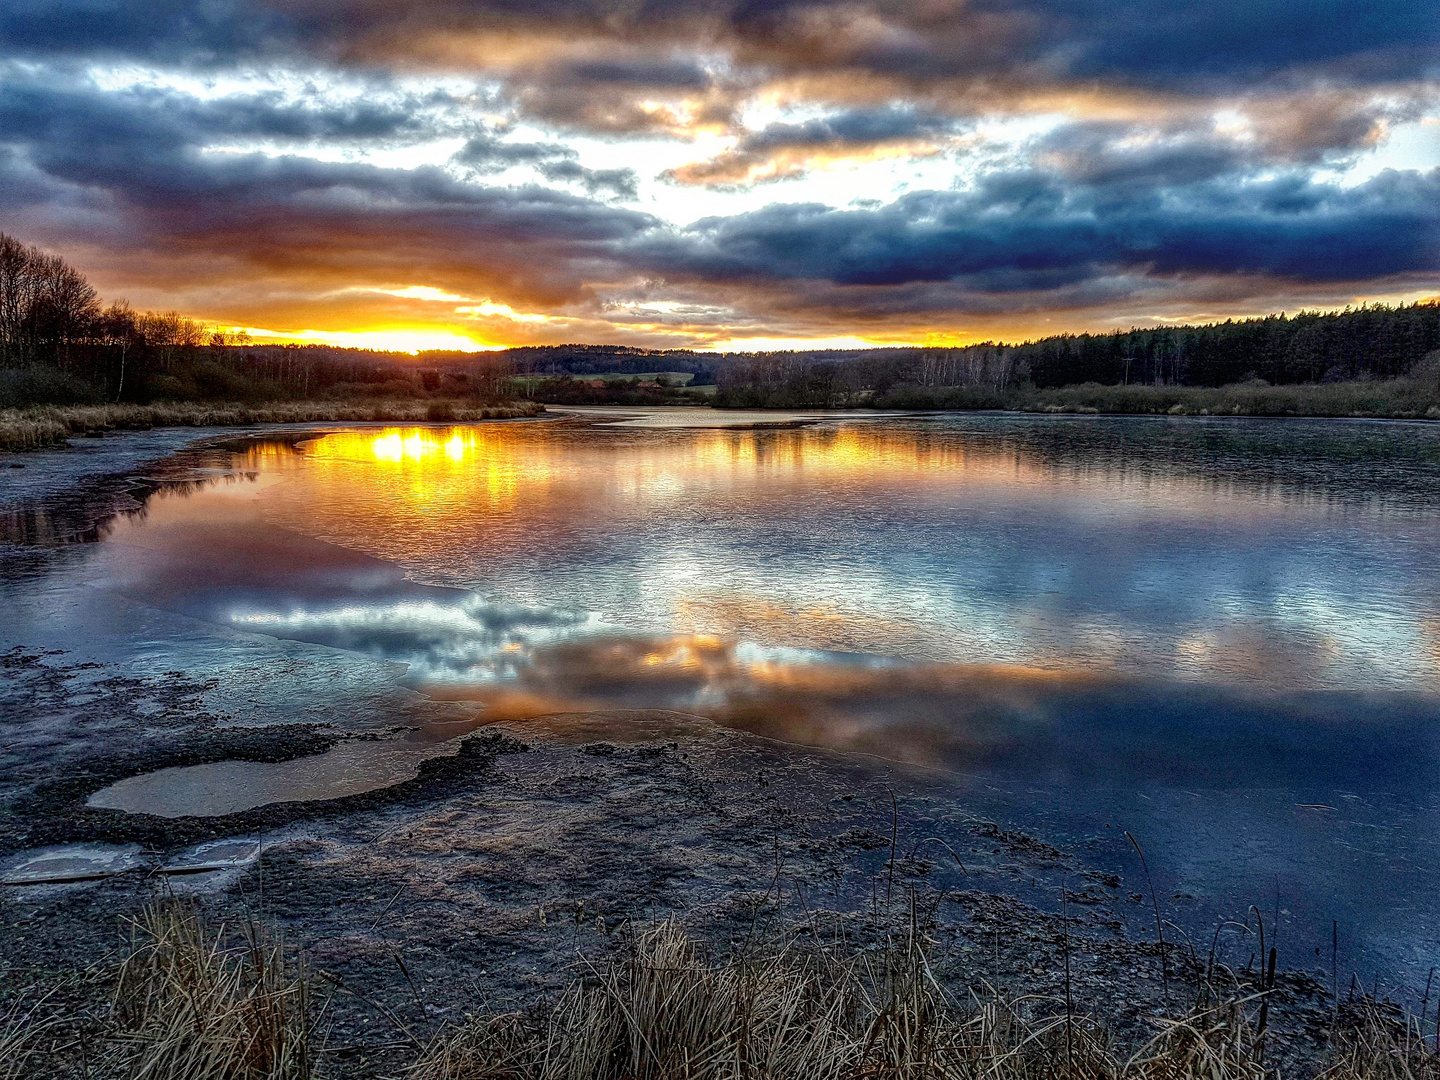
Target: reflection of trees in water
<point>1345,460</point>
<point>87,513</point>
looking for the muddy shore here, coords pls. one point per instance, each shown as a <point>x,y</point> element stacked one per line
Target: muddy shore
<point>482,880</point>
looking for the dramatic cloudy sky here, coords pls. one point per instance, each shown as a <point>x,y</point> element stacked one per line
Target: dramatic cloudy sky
<point>723,173</point>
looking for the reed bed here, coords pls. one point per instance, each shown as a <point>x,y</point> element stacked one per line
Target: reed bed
<point>1412,397</point>
<point>1375,1042</point>
<point>22,1031</point>
<point>1409,398</point>
<point>40,426</point>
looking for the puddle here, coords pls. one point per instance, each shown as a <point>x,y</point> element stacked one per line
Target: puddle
<point>228,854</point>
<point>74,862</point>
<point>231,787</point>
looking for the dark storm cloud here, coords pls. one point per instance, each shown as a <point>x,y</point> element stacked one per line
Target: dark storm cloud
<point>1098,154</point>
<point>1127,41</point>
<point>209,31</point>
<point>853,127</point>
<point>138,161</point>
<point>780,150</point>
<point>1028,230</point>
<point>66,120</point>
<point>670,74</point>
<point>1139,189</point>
<point>1087,215</point>
<point>485,154</point>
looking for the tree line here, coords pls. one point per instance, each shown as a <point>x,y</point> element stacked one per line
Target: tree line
<point>1373,341</point>
<point>59,344</point>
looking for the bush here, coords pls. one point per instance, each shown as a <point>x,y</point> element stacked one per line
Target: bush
<point>44,385</point>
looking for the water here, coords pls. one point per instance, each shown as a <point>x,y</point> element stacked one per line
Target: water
<point>1220,635</point>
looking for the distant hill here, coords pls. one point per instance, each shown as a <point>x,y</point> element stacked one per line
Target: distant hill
<point>1371,341</point>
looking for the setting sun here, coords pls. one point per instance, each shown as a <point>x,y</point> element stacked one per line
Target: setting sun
<point>400,339</point>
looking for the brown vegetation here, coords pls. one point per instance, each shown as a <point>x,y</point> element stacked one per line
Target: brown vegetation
<point>1416,396</point>
<point>663,1011</point>
<point>234,1004</point>
<point>186,1005</point>
<point>1407,398</point>
<point>33,428</point>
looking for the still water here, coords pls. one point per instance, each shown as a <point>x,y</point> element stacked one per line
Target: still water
<point>1221,635</point>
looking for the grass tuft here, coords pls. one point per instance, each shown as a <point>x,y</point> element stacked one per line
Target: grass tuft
<point>663,1011</point>
<point>187,1007</point>
<point>21,1031</point>
<point>195,1004</point>
<point>1375,1042</point>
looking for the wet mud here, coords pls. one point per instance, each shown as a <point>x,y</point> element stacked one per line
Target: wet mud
<point>483,879</point>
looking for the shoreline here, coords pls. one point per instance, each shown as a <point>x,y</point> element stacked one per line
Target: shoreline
<point>1396,399</point>
<point>40,427</point>
<point>567,835</point>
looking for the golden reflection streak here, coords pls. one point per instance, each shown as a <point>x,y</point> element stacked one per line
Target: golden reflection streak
<point>398,490</point>
<point>434,470</point>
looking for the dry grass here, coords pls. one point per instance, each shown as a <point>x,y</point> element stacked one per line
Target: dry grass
<point>28,429</point>
<point>187,1007</point>
<point>1377,1043</point>
<point>21,1032</point>
<point>19,431</point>
<point>1414,397</point>
<point>1410,398</point>
<point>662,1011</point>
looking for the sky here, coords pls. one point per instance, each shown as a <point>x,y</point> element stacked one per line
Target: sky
<point>725,174</point>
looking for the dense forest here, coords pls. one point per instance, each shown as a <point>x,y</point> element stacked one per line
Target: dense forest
<point>1372,342</point>
<point>60,345</point>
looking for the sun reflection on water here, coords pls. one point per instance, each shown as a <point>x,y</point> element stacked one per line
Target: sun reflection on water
<point>396,446</point>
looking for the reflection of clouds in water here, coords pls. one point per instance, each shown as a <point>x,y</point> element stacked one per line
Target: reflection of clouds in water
<point>925,540</point>
<point>1258,653</point>
<point>466,641</point>
<point>926,543</point>
<point>828,625</point>
<point>525,662</point>
<point>1030,720</point>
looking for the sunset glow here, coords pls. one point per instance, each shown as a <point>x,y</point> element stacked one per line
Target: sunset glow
<point>467,176</point>
<point>400,339</point>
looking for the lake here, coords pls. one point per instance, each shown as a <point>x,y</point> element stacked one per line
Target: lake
<point>1221,636</point>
